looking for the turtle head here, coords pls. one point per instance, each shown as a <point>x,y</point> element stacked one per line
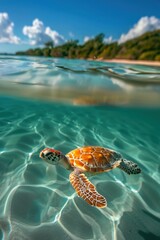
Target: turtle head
<point>55,157</point>
<point>51,156</point>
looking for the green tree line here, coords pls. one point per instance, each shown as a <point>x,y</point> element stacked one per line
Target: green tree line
<point>145,47</point>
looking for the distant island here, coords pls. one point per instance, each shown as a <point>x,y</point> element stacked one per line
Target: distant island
<point>145,47</point>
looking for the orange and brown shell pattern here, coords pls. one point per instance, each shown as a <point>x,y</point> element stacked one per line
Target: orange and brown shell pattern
<point>94,159</point>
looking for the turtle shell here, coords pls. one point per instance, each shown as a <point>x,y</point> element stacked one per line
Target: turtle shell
<point>94,159</point>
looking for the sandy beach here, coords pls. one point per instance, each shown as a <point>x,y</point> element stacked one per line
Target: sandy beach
<point>148,63</point>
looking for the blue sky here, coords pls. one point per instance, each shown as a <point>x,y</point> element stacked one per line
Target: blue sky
<point>73,19</point>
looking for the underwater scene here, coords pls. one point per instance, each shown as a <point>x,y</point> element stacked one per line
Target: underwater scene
<point>65,104</point>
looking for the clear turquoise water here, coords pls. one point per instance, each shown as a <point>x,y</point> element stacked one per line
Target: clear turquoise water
<point>67,104</point>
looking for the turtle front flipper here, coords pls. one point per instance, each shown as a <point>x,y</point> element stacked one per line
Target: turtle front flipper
<point>129,167</point>
<point>86,190</point>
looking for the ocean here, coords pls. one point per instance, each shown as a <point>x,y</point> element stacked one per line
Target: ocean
<point>65,104</point>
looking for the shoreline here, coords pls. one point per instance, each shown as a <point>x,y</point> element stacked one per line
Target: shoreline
<point>114,60</point>
<point>125,61</point>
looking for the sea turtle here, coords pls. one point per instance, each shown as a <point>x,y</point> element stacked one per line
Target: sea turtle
<point>87,161</point>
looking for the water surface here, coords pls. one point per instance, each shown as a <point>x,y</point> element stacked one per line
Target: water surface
<point>66,104</point>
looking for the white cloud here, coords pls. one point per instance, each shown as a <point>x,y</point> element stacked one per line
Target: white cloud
<point>145,24</point>
<point>39,34</point>
<point>6,30</point>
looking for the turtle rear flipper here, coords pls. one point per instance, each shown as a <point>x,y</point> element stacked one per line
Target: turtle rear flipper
<point>129,167</point>
<point>86,190</point>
